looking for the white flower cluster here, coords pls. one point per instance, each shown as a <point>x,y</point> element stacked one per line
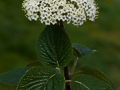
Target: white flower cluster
<point>53,11</point>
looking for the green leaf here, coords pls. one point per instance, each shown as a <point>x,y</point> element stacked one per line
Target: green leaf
<point>100,76</point>
<point>41,78</point>
<point>54,47</point>
<point>112,84</point>
<point>82,50</point>
<point>12,77</point>
<point>88,69</point>
<point>88,82</point>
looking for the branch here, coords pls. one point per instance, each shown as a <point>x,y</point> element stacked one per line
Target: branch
<point>66,72</point>
<point>62,24</point>
<point>67,77</point>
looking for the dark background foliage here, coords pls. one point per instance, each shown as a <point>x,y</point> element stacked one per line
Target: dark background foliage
<point>18,38</point>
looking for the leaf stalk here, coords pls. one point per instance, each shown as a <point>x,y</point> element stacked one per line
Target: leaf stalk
<point>74,65</point>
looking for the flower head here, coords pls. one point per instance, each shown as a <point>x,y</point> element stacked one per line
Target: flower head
<point>52,11</point>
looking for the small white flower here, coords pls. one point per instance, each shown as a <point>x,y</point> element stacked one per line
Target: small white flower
<point>34,17</point>
<point>47,22</point>
<point>52,11</point>
<point>53,21</point>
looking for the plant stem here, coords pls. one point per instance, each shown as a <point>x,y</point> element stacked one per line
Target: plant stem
<point>61,24</point>
<point>74,65</point>
<point>66,72</point>
<point>67,77</point>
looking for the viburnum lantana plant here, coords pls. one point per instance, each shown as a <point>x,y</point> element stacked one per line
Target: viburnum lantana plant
<point>54,50</point>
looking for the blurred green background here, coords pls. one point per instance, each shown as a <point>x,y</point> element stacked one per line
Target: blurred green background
<point>18,38</point>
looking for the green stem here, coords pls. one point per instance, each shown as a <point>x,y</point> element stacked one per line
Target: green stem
<point>74,65</point>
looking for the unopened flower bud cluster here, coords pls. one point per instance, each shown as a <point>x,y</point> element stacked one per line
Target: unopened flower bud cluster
<point>52,11</point>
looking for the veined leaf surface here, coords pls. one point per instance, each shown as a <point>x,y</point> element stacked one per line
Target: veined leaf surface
<point>41,78</point>
<point>54,47</point>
